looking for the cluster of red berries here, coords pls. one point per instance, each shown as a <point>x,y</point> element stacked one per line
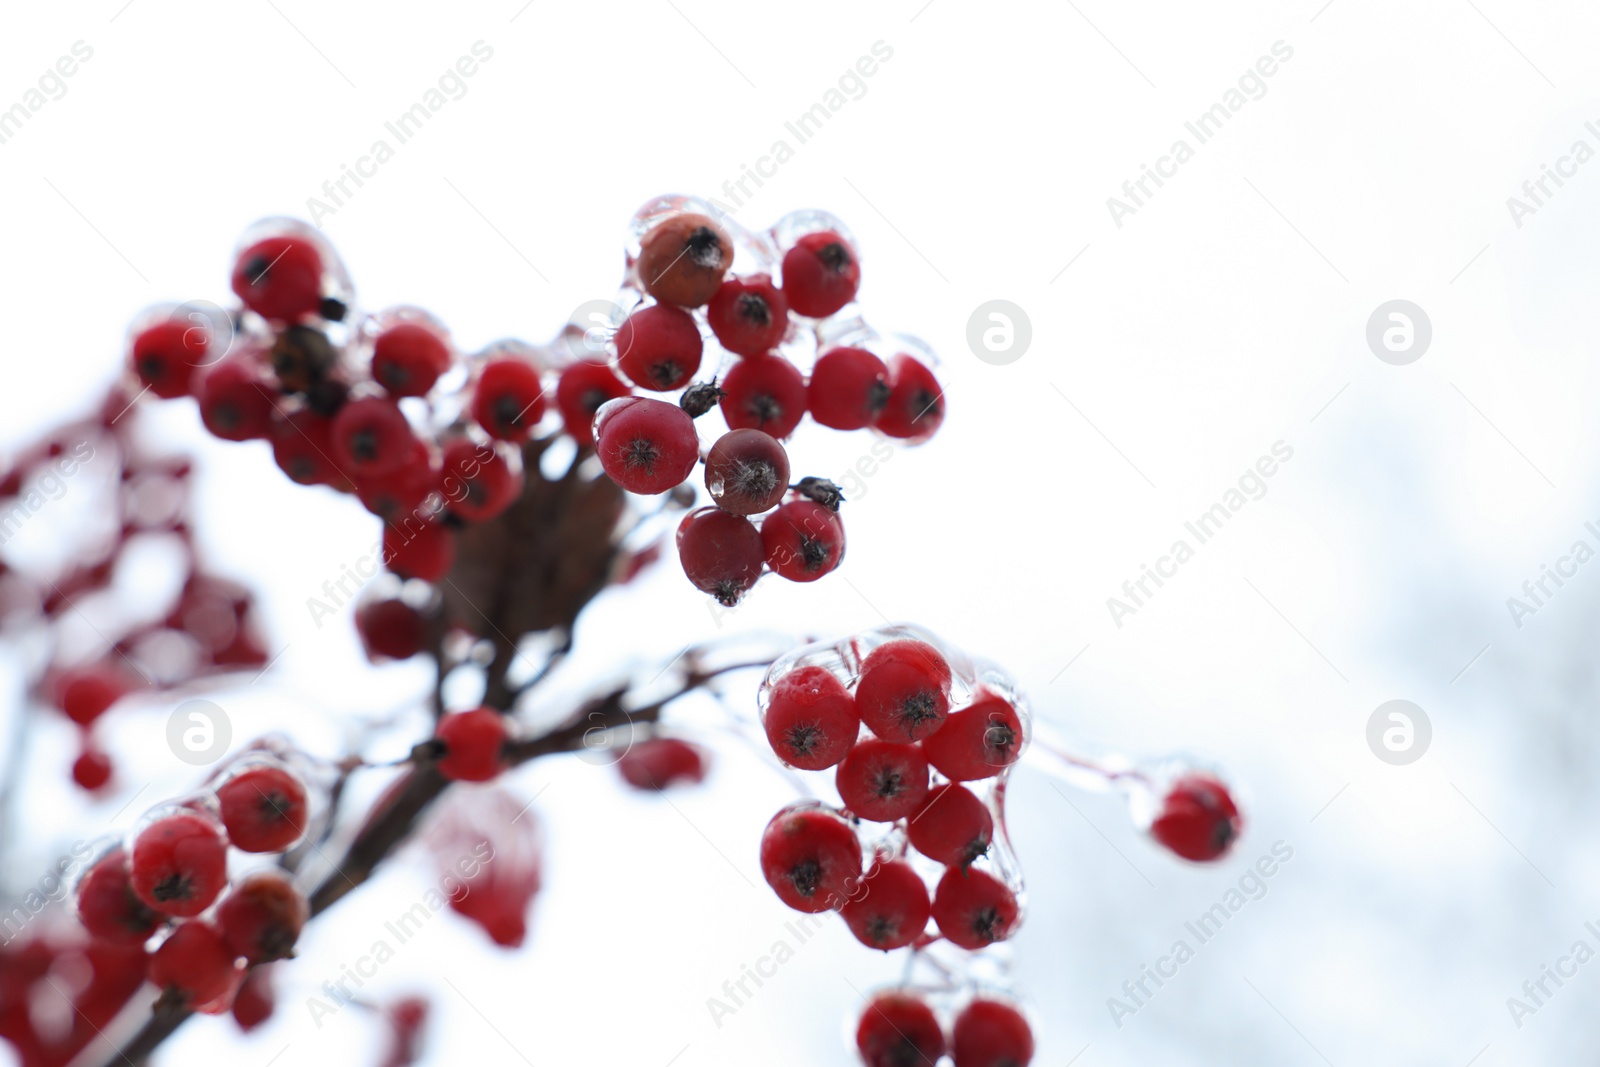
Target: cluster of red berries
<point>937,726</point>
<point>210,628</point>
<point>331,396</point>
<point>794,300</point>
<point>900,1029</point>
<point>172,878</point>
<point>383,407</point>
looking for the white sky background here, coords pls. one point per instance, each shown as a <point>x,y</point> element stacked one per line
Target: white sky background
<point>1227,314</point>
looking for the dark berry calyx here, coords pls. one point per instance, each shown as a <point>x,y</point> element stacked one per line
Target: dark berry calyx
<point>754,310</point>
<point>173,887</point>
<point>700,398</point>
<point>919,709</point>
<point>729,592</point>
<point>255,269</point>
<point>887,785</point>
<point>1000,739</point>
<point>333,309</point>
<point>641,454</point>
<point>275,806</point>
<point>364,445</point>
<point>976,848</point>
<point>814,553</point>
<point>988,925</point>
<point>704,248</point>
<point>836,257</point>
<point>806,876</point>
<point>665,373</point>
<point>803,740</point>
<point>754,478</point>
<point>765,408</point>
<point>508,411</point>
<point>878,394</point>
<point>820,491</point>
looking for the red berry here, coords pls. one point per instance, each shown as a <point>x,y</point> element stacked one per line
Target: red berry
<point>234,402</point>
<point>721,553</point>
<point>371,436</point>
<point>508,400</point>
<point>990,1033</point>
<point>659,762</point>
<point>849,387</point>
<point>899,1030</point>
<point>279,278</point>
<point>682,259</point>
<point>915,408</point>
<point>262,917</point>
<point>1198,820</point>
<point>580,391</point>
<point>890,907</point>
<point>974,908</point>
<point>659,347</point>
<point>424,550</point>
<point>397,494</point>
<point>302,446</point>
<point>194,965</point>
<point>803,540</point>
<point>749,315</point>
<point>180,863</point>
<point>166,354</point>
<point>408,357</point>
<point>811,859</point>
<point>881,781</point>
<point>952,827</point>
<point>904,690</point>
<point>747,472</point>
<point>107,906</point>
<point>264,808</point>
<point>391,629</point>
<point>978,741</point>
<point>87,694</point>
<point>646,446</point>
<point>477,481</point>
<point>474,745</point>
<point>254,1002</point>
<point>92,769</point>
<point>820,274</point>
<point>764,393</point>
<point>811,719</point>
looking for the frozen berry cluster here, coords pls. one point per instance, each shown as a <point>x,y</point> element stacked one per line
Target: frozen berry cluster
<point>899,1028</point>
<point>769,303</point>
<point>381,406</point>
<point>919,739</point>
<point>385,407</point>
<point>141,500</point>
<point>171,879</point>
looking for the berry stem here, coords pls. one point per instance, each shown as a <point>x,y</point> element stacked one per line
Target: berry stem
<point>1083,771</point>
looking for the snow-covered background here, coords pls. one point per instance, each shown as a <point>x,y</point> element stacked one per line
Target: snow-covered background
<point>1171,347</point>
